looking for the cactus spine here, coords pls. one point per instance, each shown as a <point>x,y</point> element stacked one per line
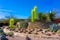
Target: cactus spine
<point>33,14</point>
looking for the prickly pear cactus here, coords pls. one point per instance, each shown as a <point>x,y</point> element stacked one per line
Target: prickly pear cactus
<point>11,23</point>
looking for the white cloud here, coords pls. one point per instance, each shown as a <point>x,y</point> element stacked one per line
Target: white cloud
<point>4,12</point>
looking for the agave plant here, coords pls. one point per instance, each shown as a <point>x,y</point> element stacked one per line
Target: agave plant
<point>53,27</point>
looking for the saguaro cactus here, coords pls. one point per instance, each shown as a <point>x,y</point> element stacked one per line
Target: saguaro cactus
<point>33,14</point>
<point>11,23</point>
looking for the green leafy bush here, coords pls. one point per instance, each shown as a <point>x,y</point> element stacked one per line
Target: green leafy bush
<point>23,24</point>
<point>58,31</point>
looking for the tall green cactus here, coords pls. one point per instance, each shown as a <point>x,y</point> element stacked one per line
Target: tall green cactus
<point>33,14</point>
<point>11,23</point>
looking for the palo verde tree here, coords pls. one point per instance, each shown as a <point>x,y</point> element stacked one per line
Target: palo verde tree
<point>47,18</point>
<point>33,14</point>
<point>40,16</point>
<point>44,17</point>
<point>51,15</point>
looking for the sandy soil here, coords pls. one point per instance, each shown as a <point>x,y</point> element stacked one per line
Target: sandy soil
<point>20,36</point>
<point>31,38</point>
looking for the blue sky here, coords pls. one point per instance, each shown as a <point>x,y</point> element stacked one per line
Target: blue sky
<point>22,8</point>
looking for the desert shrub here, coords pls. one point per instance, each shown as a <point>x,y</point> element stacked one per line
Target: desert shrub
<point>10,34</point>
<point>58,31</point>
<point>2,32</point>
<point>53,27</point>
<point>48,29</point>
<point>23,24</point>
<point>18,25</point>
<point>12,28</point>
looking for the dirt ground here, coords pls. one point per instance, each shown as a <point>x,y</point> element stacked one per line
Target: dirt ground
<point>21,36</point>
<point>33,38</point>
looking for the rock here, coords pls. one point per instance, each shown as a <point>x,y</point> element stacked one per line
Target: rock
<point>49,33</point>
<point>16,29</point>
<point>53,33</point>
<point>58,34</point>
<point>18,24</point>
<point>24,31</point>
<point>41,30</point>
<point>34,32</point>
<point>21,30</point>
<point>28,31</point>
<point>27,38</point>
<point>34,25</point>
<point>3,37</point>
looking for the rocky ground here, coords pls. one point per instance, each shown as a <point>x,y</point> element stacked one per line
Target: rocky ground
<point>32,38</point>
<point>40,36</point>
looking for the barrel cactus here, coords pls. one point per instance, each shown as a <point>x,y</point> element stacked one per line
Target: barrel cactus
<point>11,23</point>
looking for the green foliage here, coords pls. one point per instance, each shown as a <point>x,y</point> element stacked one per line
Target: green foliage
<point>33,14</point>
<point>40,16</point>
<point>48,18</point>
<point>44,17</point>
<point>51,15</point>
<point>23,24</point>
<point>11,26</point>
<point>48,29</point>
<point>10,34</point>
<point>58,31</point>
<point>1,32</point>
<point>15,19</point>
